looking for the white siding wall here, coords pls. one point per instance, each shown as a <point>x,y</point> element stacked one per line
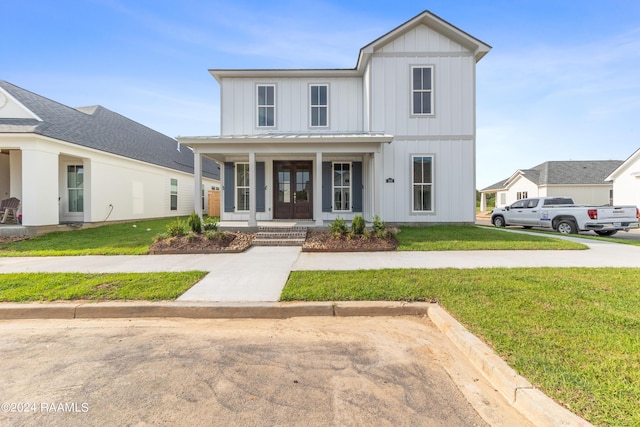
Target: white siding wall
<point>626,186</point>
<point>292,105</point>
<point>521,185</point>
<point>583,194</point>
<point>135,189</point>
<point>448,135</point>
<point>454,191</point>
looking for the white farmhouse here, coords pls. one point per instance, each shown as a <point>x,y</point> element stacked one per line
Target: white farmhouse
<point>394,137</point>
<point>89,165</point>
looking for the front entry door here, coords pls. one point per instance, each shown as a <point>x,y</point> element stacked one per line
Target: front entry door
<point>292,184</point>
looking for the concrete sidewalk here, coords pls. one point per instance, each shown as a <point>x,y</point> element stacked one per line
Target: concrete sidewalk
<point>260,273</point>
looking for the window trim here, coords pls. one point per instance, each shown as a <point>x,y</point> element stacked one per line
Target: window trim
<point>349,187</point>
<point>273,106</point>
<point>431,113</point>
<point>431,184</point>
<point>173,194</point>
<point>238,186</point>
<point>312,106</point>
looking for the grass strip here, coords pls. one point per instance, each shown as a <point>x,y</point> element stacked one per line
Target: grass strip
<point>471,237</point>
<point>573,332</point>
<point>29,287</point>
<point>131,238</point>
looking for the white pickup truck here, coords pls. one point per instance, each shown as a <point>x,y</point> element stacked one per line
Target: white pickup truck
<point>562,215</point>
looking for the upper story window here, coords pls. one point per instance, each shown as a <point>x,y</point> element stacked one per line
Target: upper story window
<point>422,90</point>
<point>266,105</point>
<point>319,105</point>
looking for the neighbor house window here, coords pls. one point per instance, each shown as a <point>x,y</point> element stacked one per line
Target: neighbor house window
<point>341,187</point>
<point>174,194</point>
<point>242,186</point>
<point>522,195</point>
<point>319,105</point>
<point>422,183</point>
<point>75,187</point>
<point>266,105</point>
<point>422,90</point>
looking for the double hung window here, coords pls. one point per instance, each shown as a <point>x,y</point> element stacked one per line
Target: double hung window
<point>174,194</point>
<point>422,183</point>
<point>319,105</point>
<point>242,186</point>
<point>266,105</point>
<point>422,90</point>
<point>341,187</point>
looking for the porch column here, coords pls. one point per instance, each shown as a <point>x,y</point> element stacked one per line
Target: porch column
<point>483,202</point>
<point>317,191</point>
<point>197,182</point>
<point>42,184</point>
<point>378,183</point>
<point>252,189</point>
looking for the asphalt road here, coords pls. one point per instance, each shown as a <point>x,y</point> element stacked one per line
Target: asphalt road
<point>296,372</point>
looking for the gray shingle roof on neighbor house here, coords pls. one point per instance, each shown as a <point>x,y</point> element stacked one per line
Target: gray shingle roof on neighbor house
<point>570,172</point>
<point>101,129</point>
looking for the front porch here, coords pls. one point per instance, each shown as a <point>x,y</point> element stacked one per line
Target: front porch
<point>291,177</point>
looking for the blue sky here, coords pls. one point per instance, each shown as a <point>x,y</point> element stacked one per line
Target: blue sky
<point>562,81</point>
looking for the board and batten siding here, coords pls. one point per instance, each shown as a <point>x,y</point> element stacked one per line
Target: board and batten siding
<point>454,177</point>
<point>238,101</point>
<point>454,90</point>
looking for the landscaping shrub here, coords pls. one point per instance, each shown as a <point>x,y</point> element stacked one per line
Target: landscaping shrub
<point>338,227</point>
<point>379,227</point>
<point>357,224</point>
<point>176,228</point>
<point>195,223</point>
<point>210,224</point>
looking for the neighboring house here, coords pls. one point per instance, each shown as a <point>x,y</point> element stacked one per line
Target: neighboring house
<point>394,137</point>
<point>89,164</point>
<point>584,181</point>
<point>626,181</point>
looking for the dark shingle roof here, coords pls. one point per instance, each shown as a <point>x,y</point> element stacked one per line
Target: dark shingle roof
<point>101,129</point>
<point>573,172</point>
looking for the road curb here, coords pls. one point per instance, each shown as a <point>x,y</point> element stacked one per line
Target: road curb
<point>207,310</point>
<point>520,393</point>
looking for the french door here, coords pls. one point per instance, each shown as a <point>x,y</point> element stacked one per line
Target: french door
<point>293,186</point>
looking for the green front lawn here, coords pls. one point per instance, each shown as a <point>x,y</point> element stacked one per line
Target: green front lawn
<point>131,238</point>
<point>26,287</point>
<point>471,237</point>
<point>573,332</point>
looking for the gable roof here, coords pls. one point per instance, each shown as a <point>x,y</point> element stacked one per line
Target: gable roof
<point>571,172</point>
<point>625,165</point>
<point>101,129</point>
<point>427,18</point>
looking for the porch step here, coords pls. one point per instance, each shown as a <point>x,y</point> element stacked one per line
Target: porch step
<point>280,236</point>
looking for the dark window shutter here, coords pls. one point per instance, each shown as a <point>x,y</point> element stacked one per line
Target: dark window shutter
<point>229,187</point>
<point>260,188</point>
<point>356,186</point>
<point>326,186</point>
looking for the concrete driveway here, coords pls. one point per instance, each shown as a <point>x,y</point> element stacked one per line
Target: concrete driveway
<point>302,371</point>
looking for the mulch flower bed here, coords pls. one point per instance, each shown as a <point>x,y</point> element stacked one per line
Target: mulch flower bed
<point>323,241</point>
<point>232,242</point>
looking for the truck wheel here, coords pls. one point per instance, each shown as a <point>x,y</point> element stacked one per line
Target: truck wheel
<point>567,227</point>
<point>606,233</point>
<point>499,221</point>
